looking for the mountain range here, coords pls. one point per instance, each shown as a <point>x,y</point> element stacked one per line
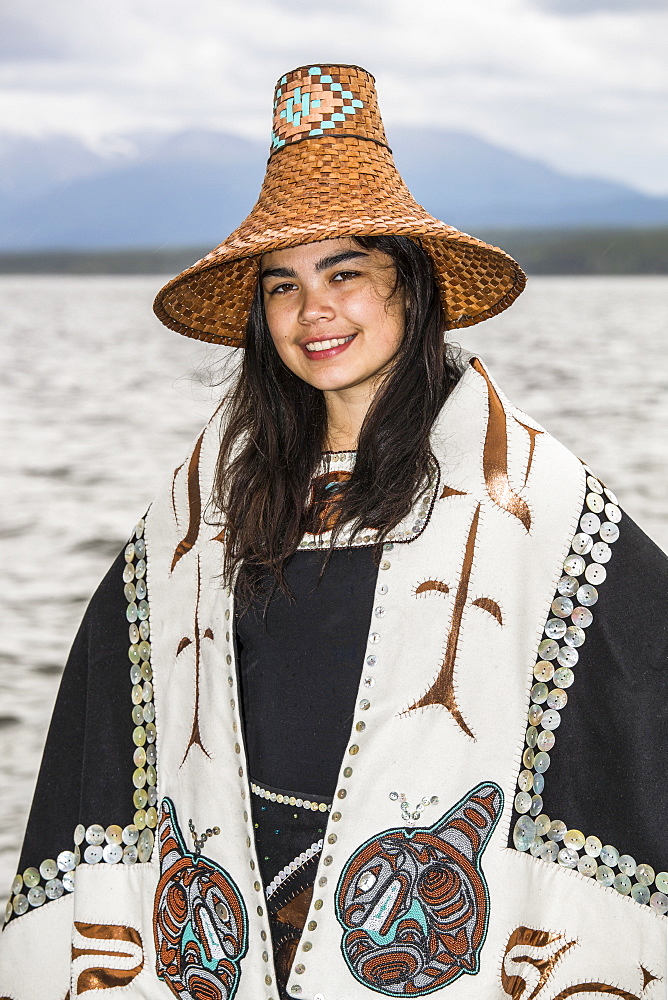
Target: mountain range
<point>193,187</point>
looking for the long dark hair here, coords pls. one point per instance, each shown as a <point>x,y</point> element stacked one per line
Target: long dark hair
<point>276,427</point>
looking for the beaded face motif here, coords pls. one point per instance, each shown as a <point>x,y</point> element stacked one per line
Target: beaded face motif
<point>200,921</point>
<point>414,902</point>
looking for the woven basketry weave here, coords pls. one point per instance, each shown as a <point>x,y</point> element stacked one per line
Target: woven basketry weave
<point>331,174</point>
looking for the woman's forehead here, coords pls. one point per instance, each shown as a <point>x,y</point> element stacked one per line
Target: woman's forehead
<point>309,252</point>
<point>320,256</point>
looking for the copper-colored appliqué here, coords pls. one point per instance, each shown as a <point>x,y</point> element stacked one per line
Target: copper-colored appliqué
<point>194,504</point>
<point>428,585</point>
<point>647,977</point>
<point>492,608</point>
<point>174,478</point>
<point>220,537</point>
<point>442,691</point>
<point>325,491</point>
<point>296,911</point>
<point>292,918</point>
<point>448,491</point>
<point>113,941</point>
<point>530,958</point>
<point>533,433</point>
<point>593,990</point>
<point>198,635</point>
<point>495,455</point>
<point>287,909</point>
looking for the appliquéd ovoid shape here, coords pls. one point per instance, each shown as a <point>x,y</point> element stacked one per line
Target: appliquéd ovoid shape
<point>414,902</point>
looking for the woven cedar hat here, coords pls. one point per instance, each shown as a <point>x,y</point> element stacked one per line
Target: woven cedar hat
<point>331,174</point>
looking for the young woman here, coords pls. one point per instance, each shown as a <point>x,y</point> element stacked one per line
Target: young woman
<point>394,721</point>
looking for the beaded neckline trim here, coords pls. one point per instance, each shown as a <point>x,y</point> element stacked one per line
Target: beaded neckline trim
<point>534,831</point>
<point>290,799</point>
<point>134,842</point>
<point>407,530</point>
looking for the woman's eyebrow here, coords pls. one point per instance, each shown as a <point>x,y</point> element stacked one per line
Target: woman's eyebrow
<point>279,272</point>
<point>338,258</point>
<point>325,262</point>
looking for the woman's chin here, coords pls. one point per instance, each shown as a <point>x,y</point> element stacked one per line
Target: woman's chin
<point>335,376</point>
<point>336,381</point>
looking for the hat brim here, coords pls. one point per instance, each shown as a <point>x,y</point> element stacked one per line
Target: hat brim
<point>305,202</point>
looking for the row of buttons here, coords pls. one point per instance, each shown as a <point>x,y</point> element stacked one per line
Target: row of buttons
<point>257,885</point>
<point>133,843</point>
<point>364,705</point>
<point>534,831</point>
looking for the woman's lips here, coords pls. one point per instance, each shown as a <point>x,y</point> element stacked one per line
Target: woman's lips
<point>320,350</point>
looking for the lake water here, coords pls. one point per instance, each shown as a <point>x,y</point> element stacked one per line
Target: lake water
<point>100,405</point>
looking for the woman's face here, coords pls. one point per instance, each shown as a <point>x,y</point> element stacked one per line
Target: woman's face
<point>331,312</point>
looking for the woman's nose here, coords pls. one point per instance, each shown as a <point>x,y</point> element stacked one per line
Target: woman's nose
<point>316,304</point>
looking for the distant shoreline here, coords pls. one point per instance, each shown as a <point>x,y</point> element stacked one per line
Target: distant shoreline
<point>548,251</point>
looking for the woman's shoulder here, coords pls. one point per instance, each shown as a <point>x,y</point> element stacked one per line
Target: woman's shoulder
<point>107,604</point>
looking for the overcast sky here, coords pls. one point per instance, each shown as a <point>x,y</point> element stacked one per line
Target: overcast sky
<point>580,84</point>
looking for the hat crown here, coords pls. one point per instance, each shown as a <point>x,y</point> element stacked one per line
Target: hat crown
<point>313,101</point>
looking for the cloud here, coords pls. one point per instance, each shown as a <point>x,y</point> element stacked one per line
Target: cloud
<point>22,39</point>
<point>583,93</point>
<point>584,7</point>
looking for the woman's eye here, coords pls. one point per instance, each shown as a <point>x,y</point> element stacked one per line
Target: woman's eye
<point>281,289</point>
<point>345,275</point>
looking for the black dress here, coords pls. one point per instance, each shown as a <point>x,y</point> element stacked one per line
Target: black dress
<point>300,659</point>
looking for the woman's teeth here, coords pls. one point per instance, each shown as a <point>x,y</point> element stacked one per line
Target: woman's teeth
<point>326,345</point>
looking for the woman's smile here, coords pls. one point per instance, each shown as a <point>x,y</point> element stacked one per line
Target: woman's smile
<point>320,350</point>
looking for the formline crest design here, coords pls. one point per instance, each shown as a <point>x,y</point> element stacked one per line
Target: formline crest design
<point>414,903</point>
<point>200,922</point>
